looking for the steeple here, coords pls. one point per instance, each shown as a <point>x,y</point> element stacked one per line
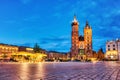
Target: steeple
<point>87,25</point>
<point>74,22</point>
<point>75,18</point>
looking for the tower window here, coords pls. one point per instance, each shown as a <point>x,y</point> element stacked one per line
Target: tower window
<point>87,37</point>
<point>87,47</point>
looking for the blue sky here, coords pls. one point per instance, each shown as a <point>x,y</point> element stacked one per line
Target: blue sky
<point>48,22</point>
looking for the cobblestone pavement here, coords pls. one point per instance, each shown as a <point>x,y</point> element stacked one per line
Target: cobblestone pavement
<point>60,71</point>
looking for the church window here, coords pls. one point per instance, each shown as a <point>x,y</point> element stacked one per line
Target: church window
<point>87,47</point>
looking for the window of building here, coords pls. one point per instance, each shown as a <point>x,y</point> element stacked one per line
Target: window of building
<point>87,47</point>
<point>108,45</point>
<point>108,49</point>
<point>113,45</point>
<point>87,37</point>
<point>113,48</point>
<point>87,44</point>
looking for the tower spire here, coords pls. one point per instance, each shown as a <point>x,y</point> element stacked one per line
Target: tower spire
<point>75,20</point>
<point>74,17</point>
<point>87,24</point>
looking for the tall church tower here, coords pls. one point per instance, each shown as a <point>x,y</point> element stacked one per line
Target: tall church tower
<point>74,38</point>
<point>88,40</point>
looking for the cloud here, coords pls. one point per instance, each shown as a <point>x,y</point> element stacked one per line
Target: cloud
<point>61,43</point>
<point>55,39</point>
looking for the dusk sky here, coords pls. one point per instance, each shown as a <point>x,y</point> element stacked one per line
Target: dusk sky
<point>48,22</point>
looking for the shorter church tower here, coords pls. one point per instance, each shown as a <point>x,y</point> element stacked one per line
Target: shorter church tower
<point>88,40</point>
<point>74,38</point>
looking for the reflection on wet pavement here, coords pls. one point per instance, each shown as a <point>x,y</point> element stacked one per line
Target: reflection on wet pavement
<point>60,71</point>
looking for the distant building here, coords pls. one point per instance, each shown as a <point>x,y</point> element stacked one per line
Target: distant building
<point>20,53</point>
<point>25,49</point>
<point>43,51</point>
<point>7,50</point>
<point>53,55</point>
<point>113,50</point>
<point>81,45</point>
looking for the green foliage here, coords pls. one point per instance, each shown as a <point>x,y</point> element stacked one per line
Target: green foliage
<point>36,48</point>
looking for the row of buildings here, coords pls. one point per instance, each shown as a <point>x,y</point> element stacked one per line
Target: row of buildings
<point>9,49</point>
<point>81,47</point>
<point>19,53</point>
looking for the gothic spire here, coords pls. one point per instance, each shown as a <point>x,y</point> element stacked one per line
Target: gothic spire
<point>75,20</point>
<point>87,24</point>
<point>74,16</point>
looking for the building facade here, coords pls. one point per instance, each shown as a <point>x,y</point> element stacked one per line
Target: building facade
<point>81,45</point>
<point>52,55</point>
<point>6,50</point>
<point>113,50</point>
<point>25,49</point>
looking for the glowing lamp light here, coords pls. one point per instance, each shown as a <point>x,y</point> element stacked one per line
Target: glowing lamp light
<point>111,57</point>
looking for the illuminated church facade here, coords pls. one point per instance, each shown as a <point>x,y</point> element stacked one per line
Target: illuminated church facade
<point>81,46</point>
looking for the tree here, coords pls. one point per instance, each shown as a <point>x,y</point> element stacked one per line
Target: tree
<point>36,48</point>
<point>100,54</point>
<point>94,54</point>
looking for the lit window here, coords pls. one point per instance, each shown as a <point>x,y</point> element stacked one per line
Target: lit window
<point>113,48</point>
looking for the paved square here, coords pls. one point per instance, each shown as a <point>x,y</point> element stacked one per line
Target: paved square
<point>60,71</point>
